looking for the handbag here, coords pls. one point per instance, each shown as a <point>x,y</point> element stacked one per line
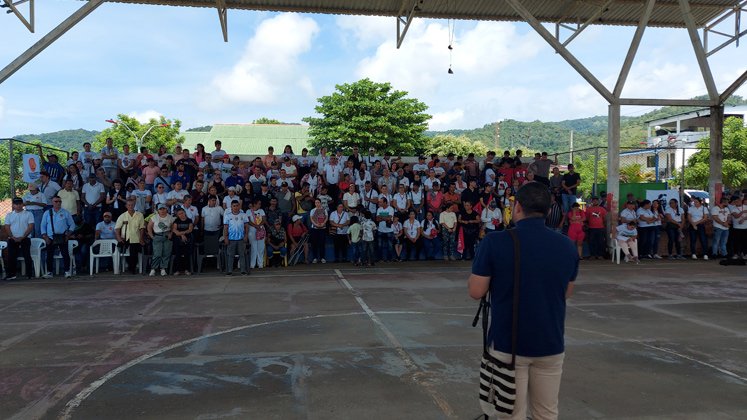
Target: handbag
<point>498,379</point>
<point>57,238</point>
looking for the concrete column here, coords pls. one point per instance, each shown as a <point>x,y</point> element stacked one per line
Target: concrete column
<point>717,153</point>
<point>613,161</point>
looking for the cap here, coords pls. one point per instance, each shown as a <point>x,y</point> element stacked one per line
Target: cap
<point>421,157</point>
<point>297,218</point>
<point>17,201</point>
<point>284,184</point>
<point>162,206</point>
<point>231,188</point>
<point>631,202</point>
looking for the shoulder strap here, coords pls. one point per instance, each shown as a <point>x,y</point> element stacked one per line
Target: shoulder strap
<point>51,220</point>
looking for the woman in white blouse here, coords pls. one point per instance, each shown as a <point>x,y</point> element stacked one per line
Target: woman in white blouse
<point>698,216</point>
<point>675,222</point>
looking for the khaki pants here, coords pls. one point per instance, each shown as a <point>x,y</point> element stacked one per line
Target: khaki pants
<point>537,385</point>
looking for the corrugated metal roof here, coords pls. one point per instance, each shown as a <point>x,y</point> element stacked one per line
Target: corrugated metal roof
<point>620,12</point>
<point>251,139</point>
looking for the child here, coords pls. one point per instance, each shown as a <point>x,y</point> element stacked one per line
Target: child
<point>368,227</point>
<point>354,239</point>
<point>324,197</point>
<point>397,232</point>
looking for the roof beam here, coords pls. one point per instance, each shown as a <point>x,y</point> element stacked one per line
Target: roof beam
<point>560,49</point>
<point>665,102</point>
<point>49,38</point>
<point>223,17</point>
<point>603,8</point>
<point>700,55</point>
<point>633,50</point>
<point>403,22</point>
<point>733,87</point>
<point>738,33</point>
<point>29,24</point>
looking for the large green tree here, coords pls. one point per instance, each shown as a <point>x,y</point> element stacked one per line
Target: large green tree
<point>19,149</point>
<point>697,170</point>
<point>460,146</point>
<point>159,136</point>
<point>369,114</point>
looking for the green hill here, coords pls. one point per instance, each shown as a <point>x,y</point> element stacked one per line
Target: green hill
<point>554,137</point>
<point>66,139</point>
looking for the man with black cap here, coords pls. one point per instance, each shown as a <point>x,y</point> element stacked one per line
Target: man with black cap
<point>19,225</point>
<point>51,166</point>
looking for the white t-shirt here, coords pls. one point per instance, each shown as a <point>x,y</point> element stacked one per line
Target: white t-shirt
<point>677,218</point>
<point>212,217</point>
<point>697,213</point>
<point>645,213</point>
<point>141,199</point>
<point>332,174</point>
<point>623,233</point>
<point>723,214</point>
<point>627,215</point>
<point>420,167</point>
<point>235,224</point>
<point>401,201</point>
<point>387,211</point>
<point>109,163</point>
<point>257,217</point>
<point>416,197</point>
<point>352,199</point>
<point>341,219</point>
<point>93,192</point>
<point>733,209</point>
<point>490,177</point>
<point>228,199</point>
<point>19,221</point>
<point>370,199</point>
<point>36,198</point>
<point>177,195</point>
<point>411,228</point>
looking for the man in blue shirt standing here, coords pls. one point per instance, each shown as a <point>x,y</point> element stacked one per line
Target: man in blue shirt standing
<point>543,291</point>
<point>57,226</point>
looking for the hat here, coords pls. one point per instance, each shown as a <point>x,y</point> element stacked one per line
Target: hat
<point>277,221</point>
<point>231,188</point>
<point>162,206</point>
<point>421,157</point>
<point>17,201</point>
<point>284,184</point>
<point>297,218</point>
<point>631,202</point>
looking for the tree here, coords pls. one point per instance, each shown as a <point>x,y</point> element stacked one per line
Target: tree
<point>460,146</point>
<point>368,114</point>
<point>734,168</point>
<point>19,149</point>
<point>265,120</point>
<point>159,136</point>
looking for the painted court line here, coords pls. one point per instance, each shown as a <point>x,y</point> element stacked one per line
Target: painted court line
<point>411,365</point>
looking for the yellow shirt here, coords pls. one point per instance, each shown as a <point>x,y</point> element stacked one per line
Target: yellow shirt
<point>131,232</point>
<point>69,200</point>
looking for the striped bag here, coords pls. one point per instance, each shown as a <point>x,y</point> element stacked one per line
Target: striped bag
<point>497,378</point>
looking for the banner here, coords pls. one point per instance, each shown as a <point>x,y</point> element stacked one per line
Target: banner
<point>31,167</point>
<point>663,196</point>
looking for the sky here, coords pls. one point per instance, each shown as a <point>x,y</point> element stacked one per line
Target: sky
<point>147,61</point>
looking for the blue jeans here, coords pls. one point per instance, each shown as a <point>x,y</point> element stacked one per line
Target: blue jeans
<point>356,247</point>
<point>696,234</point>
<point>568,200</point>
<point>385,246</point>
<point>368,254</point>
<point>38,214</point>
<point>431,246</point>
<point>92,215</point>
<point>720,236</point>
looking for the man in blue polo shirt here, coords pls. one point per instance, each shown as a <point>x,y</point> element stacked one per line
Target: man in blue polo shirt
<point>543,291</point>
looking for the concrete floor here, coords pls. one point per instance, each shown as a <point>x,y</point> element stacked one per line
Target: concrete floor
<point>663,340</point>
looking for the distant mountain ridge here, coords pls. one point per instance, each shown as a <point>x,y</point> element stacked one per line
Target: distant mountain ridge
<point>67,140</point>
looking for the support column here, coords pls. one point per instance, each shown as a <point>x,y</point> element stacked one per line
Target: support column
<point>715,179</point>
<point>613,162</point>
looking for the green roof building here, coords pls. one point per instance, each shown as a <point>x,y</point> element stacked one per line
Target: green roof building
<point>250,139</point>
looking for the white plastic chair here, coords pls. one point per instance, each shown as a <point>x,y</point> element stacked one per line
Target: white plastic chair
<point>107,248</point>
<point>37,244</point>
<point>71,245</point>
<point>616,251</point>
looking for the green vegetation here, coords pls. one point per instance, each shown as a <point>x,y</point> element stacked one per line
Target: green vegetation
<point>369,114</point>
<point>735,157</point>
<point>202,129</point>
<point>265,120</point>
<point>460,146</point>
<point>66,139</point>
<point>167,136</point>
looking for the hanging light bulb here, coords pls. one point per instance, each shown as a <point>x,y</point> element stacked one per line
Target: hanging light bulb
<point>450,47</point>
<point>450,70</point>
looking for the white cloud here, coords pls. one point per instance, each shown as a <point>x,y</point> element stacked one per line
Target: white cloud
<point>268,70</point>
<point>420,65</point>
<point>145,116</point>
<point>445,120</point>
<point>368,31</point>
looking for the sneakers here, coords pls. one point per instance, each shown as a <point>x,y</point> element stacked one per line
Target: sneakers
<point>152,272</point>
<point>11,278</point>
<point>324,261</point>
<point>47,275</point>
<point>163,271</point>
<point>627,259</point>
<point>68,274</point>
<point>695,257</point>
<point>705,257</point>
<point>657,256</point>
<point>314,261</point>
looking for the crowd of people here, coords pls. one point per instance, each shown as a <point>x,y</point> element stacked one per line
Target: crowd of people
<point>176,203</point>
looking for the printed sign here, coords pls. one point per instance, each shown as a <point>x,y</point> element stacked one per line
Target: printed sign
<point>31,167</point>
<point>663,196</point>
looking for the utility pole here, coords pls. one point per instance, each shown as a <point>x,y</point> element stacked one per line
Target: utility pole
<point>571,145</point>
